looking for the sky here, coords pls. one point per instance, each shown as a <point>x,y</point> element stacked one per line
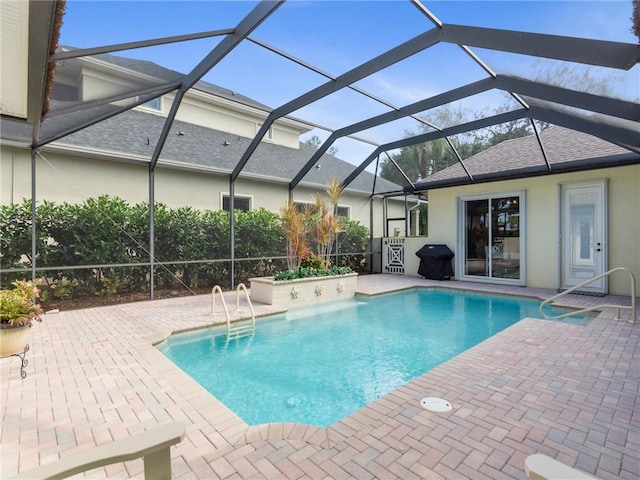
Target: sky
<point>336,36</point>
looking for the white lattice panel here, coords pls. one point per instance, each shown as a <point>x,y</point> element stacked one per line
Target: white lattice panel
<point>394,255</point>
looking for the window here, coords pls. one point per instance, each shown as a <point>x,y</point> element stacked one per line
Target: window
<point>268,135</point>
<point>239,203</point>
<point>341,211</point>
<point>300,206</point>
<point>492,228</point>
<point>155,104</point>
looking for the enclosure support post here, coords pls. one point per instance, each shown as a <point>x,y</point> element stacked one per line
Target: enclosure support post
<point>232,224</point>
<point>34,233</point>
<point>152,246</point>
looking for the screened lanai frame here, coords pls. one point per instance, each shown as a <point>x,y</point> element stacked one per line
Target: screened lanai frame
<point>610,119</point>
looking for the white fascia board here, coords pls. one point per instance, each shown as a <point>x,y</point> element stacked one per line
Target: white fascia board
<point>95,153</point>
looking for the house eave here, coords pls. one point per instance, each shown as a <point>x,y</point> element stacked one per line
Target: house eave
<point>105,155</point>
<point>597,163</point>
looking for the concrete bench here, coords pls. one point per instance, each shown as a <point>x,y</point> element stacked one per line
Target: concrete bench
<point>153,445</point>
<point>541,467</point>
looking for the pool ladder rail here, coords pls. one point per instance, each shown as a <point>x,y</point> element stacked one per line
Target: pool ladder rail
<point>239,328</point>
<point>632,307</point>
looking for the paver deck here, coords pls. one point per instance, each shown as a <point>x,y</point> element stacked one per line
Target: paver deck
<point>567,391</point>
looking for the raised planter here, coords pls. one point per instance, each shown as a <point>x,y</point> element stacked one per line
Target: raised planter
<point>14,343</point>
<point>303,291</point>
<point>13,340</point>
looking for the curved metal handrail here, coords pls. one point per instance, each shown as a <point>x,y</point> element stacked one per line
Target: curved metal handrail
<point>242,286</point>
<point>213,302</point>
<point>633,307</point>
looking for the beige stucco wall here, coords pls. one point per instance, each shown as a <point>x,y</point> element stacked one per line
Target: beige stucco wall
<point>543,217</point>
<point>64,178</point>
<point>199,109</point>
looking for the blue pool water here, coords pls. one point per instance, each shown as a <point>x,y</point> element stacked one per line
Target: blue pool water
<point>317,365</point>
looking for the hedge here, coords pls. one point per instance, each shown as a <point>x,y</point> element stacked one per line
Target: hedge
<point>108,230</point>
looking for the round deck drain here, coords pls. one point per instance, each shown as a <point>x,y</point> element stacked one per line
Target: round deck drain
<point>437,405</point>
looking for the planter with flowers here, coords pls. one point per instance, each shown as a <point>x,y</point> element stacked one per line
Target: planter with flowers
<point>310,277</point>
<point>18,311</point>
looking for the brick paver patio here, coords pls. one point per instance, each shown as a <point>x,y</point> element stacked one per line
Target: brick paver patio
<point>567,391</point>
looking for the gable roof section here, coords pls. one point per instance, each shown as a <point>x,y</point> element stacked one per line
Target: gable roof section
<point>200,148</point>
<point>566,150</point>
<point>157,71</point>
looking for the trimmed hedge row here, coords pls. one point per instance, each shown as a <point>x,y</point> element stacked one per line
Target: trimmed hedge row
<point>108,230</point>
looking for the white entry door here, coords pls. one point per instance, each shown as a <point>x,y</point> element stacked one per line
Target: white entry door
<point>584,236</point>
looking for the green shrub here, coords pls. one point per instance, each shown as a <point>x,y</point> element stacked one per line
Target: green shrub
<point>108,230</point>
<point>303,272</point>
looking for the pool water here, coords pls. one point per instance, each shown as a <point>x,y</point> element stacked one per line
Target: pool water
<point>319,364</point>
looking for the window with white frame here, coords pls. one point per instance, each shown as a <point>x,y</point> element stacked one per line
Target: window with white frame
<point>342,211</point>
<point>153,104</point>
<point>239,203</point>
<point>268,135</point>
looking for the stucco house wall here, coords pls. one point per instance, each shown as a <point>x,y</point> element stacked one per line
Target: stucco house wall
<point>543,222</point>
<point>61,177</point>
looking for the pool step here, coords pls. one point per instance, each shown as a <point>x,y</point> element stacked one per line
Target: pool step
<point>236,331</point>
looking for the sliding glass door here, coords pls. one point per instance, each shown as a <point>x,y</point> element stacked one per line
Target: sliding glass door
<point>492,237</point>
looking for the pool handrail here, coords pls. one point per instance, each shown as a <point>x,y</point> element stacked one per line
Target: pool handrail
<point>632,307</point>
<point>213,301</point>
<point>242,286</point>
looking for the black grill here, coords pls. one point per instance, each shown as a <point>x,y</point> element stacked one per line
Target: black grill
<point>435,262</point>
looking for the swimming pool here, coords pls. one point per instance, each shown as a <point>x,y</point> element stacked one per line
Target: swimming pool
<point>317,365</point>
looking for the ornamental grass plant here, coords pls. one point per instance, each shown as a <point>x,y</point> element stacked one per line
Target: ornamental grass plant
<point>317,225</point>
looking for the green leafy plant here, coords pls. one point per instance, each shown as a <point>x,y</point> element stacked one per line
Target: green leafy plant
<point>63,288</point>
<point>17,306</point>
<point>302,272</point>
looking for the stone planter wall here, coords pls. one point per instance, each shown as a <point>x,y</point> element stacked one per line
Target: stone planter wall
<point>303,291</point>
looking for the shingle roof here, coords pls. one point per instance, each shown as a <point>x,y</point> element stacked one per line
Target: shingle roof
<point>134,133</point>
<point>563,147</point>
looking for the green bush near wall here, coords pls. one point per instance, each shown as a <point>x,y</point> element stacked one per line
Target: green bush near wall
<point>108,230</point>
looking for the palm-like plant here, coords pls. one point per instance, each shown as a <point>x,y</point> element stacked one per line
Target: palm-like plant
<point>325,224</point>
<point>293,225</point>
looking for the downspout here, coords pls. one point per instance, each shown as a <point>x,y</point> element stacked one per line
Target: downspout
<point>371,234</point>
<point>406,217</point>
<point>384,217</point>
<point>411,210</point>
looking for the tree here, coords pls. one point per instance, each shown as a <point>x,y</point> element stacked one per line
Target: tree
<point>635,19</point>
<point>315,142</point>
<point>422,160</point>
<point>418,161</point>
